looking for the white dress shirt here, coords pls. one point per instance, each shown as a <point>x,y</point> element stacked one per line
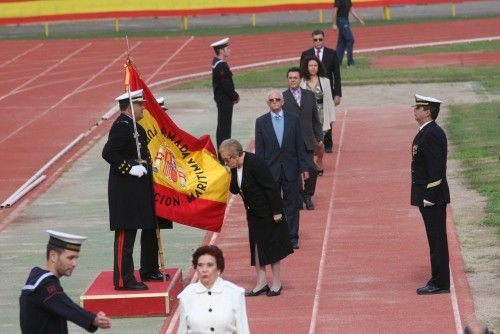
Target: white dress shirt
<point>220,310</point>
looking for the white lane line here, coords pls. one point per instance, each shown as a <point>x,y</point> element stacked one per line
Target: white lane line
<point>50,68</point>
<point>454,305</point>
<point>120,57</point>
<point>21,54</point>
<point>427,44</point>
<point>322,262</point>
<point>40,115</point>
<point>292,59</point>
<point>169,59</point>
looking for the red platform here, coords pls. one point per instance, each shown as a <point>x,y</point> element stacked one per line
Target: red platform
<point>159,300</point>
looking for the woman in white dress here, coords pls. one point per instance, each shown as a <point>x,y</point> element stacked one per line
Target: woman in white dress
<point>315,80</point>
<point>212,305</point>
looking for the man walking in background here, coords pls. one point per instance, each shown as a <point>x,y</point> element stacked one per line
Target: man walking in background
<point>345,40</point>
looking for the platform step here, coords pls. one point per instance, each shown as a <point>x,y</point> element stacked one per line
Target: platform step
<point>159,300</point>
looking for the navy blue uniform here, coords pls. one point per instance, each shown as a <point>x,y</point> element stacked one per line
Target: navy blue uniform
<point>428,182</point>
<point>225,97</point>
<point>45,307</point>
<point>131,205</point>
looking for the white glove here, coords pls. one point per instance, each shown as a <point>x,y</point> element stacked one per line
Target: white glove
<point>138,170</point>
<point>427,203</point>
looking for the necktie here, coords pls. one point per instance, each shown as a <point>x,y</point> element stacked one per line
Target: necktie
<point>278,128</point>
<point>318,53</point>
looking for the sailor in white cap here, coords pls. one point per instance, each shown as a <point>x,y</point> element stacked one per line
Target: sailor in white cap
<point>225,95</point>
<point>130,196</point>
<point>44,306</point>
<point>161,102</point>
<point>429,189</point>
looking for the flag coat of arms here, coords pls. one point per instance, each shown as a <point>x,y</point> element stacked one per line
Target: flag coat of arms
<point>190,186</point>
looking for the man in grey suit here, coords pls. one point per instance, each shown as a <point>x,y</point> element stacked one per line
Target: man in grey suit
<point>303,103</point>
<point>279,142</point>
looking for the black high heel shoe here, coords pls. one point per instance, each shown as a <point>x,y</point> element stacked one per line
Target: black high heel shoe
<point>256,293</point>
<point>272,293</point>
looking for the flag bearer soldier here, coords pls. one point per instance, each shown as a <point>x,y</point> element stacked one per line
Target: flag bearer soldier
<point>44,306</point>
<point>130,195</point>
<point>429,189</point>
<point>225,95</point>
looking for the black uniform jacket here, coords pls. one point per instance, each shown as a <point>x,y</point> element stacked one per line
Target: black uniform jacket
<point>45,308</point>
<point>258,189</point>
<point>289,160</point>
<point>428,166</point>
<point>131,204</point>
<point>331,65</point>
<point>312,131</point>
<point>222,82</point>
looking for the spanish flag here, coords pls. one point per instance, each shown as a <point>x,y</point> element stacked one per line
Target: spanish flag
<point>190,186</point>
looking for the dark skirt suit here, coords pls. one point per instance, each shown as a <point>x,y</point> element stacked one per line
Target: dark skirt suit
<point>262,200</point>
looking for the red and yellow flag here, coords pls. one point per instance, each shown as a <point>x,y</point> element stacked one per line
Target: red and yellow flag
<point>191,187</point>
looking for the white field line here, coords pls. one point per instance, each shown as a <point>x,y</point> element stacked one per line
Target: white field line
<point>40,115</point>
<point>21,54</point>
<point>292,59</point>
<point>120,57</point>
<point>48,69</point>
<point>169,59</point>
<point>322,262</point>
<point>454,305</point>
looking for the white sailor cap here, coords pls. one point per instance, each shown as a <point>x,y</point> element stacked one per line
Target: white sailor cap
<point>161,102</point>
<point>221,44</point>
<point>421,100</point>
<point>66,240</point>
<point>135,95</point>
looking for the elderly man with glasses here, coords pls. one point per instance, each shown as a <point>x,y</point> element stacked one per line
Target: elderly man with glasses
<point>279,142</point>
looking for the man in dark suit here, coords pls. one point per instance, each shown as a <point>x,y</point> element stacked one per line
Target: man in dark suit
<point>225,95</point>
<point>130,195</point>
<point>330,61</point>
<point>278,141</point>
<point>303,103</point>
<point>429,189</point>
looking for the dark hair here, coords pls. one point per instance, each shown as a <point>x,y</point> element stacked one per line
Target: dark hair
<point>434,110</point>
<point>123,104</point>
<point>318,32</point>
<point>51,247</point>
<point>477,325</point>
<point>209,250</point>
<point>304,70</point>
<point>292,69</point>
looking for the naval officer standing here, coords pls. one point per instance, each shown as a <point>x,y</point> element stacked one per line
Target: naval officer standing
<point>225,95</point>
<point>130,196</point>
<point>429,189</point>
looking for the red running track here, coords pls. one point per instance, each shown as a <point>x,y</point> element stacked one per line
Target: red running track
<point>437,60</point>
<point>363,251</point>
<point>51,91</point>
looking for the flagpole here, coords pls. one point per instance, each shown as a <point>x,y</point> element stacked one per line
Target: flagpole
<point>134,122</point>
<point>161,255</point>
